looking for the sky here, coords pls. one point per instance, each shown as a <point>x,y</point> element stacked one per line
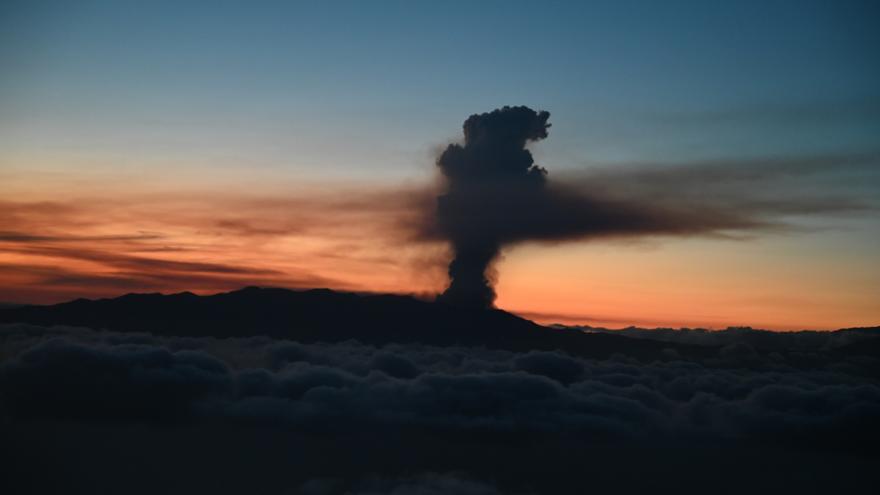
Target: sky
<point>170,146</point>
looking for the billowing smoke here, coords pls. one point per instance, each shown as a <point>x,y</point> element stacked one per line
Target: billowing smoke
<point>496,196</point>
<point>493,163</point>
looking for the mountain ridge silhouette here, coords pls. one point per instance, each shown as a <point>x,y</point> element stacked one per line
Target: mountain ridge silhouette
<point>324,315</point>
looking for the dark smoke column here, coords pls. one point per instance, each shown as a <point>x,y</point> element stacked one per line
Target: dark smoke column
<point>491,169</point>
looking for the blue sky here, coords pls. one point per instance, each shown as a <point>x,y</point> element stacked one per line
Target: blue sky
<point>282,84</point>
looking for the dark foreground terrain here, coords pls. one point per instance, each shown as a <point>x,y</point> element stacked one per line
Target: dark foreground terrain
<point>319,392</point>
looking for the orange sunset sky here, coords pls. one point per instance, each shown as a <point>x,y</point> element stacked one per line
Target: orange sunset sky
<point>103,235</point>
<point>206,151</point>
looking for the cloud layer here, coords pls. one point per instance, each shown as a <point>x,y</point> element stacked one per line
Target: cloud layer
<point>424,419</point>
<point>738,394</point>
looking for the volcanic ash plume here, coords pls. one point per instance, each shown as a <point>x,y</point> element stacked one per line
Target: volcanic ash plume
<point>490,169</point>
<point>496,196</point>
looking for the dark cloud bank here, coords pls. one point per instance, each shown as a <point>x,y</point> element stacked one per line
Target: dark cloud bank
<point>85,411</point>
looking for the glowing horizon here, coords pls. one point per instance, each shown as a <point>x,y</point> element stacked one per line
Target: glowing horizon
<point>92,241</point>
<point>168,147</point>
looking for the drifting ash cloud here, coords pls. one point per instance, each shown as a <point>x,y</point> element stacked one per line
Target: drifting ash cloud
<point>491,195</point>
<point>496,196</point>
<point>354,418</point>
